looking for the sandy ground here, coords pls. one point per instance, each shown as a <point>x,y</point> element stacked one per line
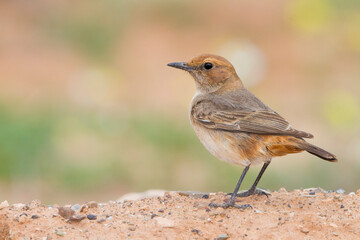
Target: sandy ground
<point>299,214</point>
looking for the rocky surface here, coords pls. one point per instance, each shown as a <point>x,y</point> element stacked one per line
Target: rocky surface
<point>299,214</point>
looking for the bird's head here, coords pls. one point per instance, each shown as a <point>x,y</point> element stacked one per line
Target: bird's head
<point>211,73</point>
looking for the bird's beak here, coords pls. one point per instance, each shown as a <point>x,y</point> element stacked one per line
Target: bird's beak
<point>181,65</point>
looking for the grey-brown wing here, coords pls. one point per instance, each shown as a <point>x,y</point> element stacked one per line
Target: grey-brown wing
<point>244,120</point>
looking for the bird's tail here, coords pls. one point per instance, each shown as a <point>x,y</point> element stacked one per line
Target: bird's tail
<point>321,153</point>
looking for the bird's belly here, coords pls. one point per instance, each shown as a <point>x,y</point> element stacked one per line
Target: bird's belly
<point>234,148</point>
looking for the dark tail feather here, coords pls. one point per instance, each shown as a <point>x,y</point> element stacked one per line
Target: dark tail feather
<point>321,153</point>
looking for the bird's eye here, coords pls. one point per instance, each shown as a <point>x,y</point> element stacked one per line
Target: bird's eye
<point>208,66</point>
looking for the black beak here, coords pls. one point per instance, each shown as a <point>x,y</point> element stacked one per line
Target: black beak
<point>181,65</point>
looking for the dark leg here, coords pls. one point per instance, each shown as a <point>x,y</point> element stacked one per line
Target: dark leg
<point>253,189</point>
<point>231,202</point>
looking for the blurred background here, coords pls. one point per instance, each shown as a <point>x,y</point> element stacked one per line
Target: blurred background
<point>90,111</point>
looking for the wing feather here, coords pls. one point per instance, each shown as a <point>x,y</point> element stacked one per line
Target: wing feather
<point>262,121</point>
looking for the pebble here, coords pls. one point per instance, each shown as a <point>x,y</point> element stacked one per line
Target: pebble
<point>76,207</point>
<point>35,216</point>
<point>351,194</point>
<point>18,206</point>
<point>333,225</point>
<point>306,195</point>
<point>77,218</point>
<point>304,230</point>
<point>340,191</point>
<point>91,217</point>
<point>335,234</point>
<point>193,194</point>
<point>22,218</point>
<point>66,212</point>
<point>338,198</point>
<point>205,196</point>
<point>4,204</point>
<point>132,228</point>
<point>101,220</point>
<point>34,203</point>
<point>92,204</point>
<point>222,237</point>
<point>200,205</point>
<point>315,190</point>
<point>221,212</point>
<point>110,218</point>
<point>195,231</point>
<point>60,233</point>
<point>83,207</point>
<point>164,222</point>
<point>282,190</point>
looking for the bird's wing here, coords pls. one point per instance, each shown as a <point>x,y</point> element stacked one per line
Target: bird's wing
<point>261,121</point>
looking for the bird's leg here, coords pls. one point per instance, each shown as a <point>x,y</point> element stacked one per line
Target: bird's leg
<point>231,202</point>
<point>253,189</point>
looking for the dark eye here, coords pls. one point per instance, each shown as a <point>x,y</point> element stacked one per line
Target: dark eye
<point>208,65</point>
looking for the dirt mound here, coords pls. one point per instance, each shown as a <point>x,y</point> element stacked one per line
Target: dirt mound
<point>309,213</point>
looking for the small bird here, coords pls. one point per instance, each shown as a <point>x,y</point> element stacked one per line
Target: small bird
<point>237,127</point>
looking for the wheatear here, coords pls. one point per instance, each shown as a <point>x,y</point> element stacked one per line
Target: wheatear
<point>235,126</point>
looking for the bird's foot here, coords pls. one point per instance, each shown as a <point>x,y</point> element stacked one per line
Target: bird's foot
<point>230,204</point>
<point>256,191</point>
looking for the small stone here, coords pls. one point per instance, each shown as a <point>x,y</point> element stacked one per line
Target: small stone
<point>83,207</point>
<point>340,191</point>
<point>193,194</point>
<point>258,211</point>
<point>195,231</point>
<point>76,207</point>
<point>77,218</point>
<point>161,210</point>
<point>92,204</point>
<point>338,198</point>
<point>34,203</point>
<point>164,222</point>
<point>101,220</point>
<point>22,218</point>
<point>342,206</point>
<point>304,230</point>
<point>351,194</point>
<point>333,225</point>
<point>200,205</point>
<point>66,212</point>
<point>307,195</point>
<point>60,233</point>
<point>4,204</point>
<point>18,206</point>
<point>205,196</point>
<point>35,216</point>
<point>153,215</point>
<point>222,237</point>
<point>91,217</point>
<point>110,218</point>
<point>282,190</point>
<point>132,228</point>
<point>312,193</point>
<point>335,234</point>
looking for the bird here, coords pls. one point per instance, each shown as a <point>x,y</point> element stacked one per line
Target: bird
<point>237,127</point>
